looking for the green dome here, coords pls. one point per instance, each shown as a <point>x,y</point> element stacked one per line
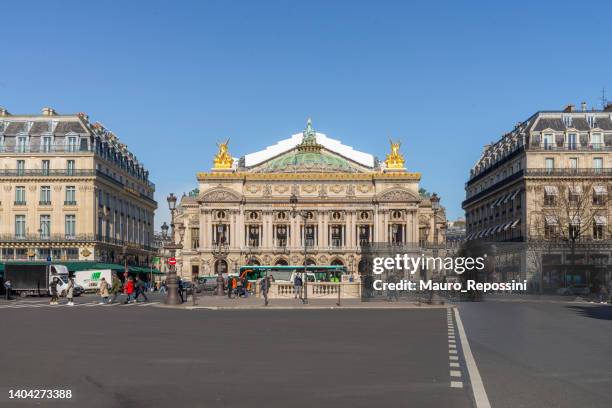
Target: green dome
<point>301,161</point>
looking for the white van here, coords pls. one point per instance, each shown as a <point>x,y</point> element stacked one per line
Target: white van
<point>90,280</point>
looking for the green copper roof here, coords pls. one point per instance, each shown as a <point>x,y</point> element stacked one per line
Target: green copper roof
<point>304,161</point>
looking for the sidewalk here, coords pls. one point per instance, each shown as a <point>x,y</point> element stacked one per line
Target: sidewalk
<point>211,302</point>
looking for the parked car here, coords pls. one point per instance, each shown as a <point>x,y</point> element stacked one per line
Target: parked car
<point>207,283</point>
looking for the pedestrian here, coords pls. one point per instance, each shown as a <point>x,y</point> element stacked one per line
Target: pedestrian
<point>181,287</point>
<point>265,288</point>
<point>53,287</point>
<point>115,288</point>
<point>103,289</point>
<point>603,294</point>
<point>7,289</point>
<point>140,289</point>
<point>231,285</point>
<point>70,291</point>
<point>297,286</point>
<point>129,290</point>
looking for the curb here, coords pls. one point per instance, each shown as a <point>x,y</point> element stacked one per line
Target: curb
<point>411,307</point>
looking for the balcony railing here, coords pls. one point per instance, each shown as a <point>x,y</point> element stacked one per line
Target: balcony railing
<point>44,149</point>
<point>71,202</point>
<point>572,147</point>
<point>44,203</point>
<point>568,172</point>
<point>46,172</point>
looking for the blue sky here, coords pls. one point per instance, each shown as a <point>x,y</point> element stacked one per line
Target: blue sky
<point>172,77</point>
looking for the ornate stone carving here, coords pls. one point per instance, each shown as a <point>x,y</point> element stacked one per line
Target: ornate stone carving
<point>295,189</point>
<point>267,190</point>
<point>364,188</point>
<point>253,188</point>
<point>397,195</point>
<point>322,190</point>
<point>282,188</point>
<point>336,188</point>
<point>350,190</point>
<point>220,196</point>
<point>32,188</point>
<point>309,188</point>
<point>7,188</point>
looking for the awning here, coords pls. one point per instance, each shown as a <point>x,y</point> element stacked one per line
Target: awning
<point>551,220</point>
<point>515,223</point>
<point>514,195</point>
<point>600,190</point>
<point>503,199</point>
<point>551,190</point>
<point>600,220</point>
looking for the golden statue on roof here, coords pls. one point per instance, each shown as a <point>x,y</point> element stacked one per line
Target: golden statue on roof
<point>395,160</point>
<point>223,160</point>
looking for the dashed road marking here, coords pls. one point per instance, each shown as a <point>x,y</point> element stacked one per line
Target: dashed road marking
<point>456,384</point>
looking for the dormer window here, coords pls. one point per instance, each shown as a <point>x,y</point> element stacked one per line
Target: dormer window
<point>591,120</point>
<point>548,141</point>
<point>45,144</point>
<point>72,143</point>
<point>22,144</point>
<point>572,141</point>
<point>596,141</point>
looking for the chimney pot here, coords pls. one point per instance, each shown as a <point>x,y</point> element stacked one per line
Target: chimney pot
<point>583,106</point>
<point>608,107</point>
<point>569,108</point>
<point>3,111</point>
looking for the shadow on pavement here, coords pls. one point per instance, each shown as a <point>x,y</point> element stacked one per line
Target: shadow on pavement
<point>603,312</point>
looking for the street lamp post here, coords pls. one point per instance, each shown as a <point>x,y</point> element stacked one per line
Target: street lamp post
<point>172,297</point>
<point>219,252</point>
<point>304,214</point>
<point>435,206</point>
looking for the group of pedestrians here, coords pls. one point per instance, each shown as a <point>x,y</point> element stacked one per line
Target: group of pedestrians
<point>133,290</point>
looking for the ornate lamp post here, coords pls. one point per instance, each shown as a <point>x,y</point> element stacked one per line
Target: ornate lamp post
<point>172,297</point>
<point>219,252</point>
<point>435,206</point>
<point>304,214</point>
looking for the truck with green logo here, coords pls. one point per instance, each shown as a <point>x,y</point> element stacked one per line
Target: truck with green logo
<point>90,280</point>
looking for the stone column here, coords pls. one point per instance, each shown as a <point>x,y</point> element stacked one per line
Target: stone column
<point>375,233</point>
<point>240,227</point>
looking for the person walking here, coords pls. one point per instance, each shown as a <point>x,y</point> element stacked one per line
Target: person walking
<point>140,290</point>
<point>129,290</point>
<point>603,293</point>
<point>181,287</point>
<point>162,288</point>
<point>70,291</point>
<point>265,288</point>
<point>103,289</point>
<point>297,286</point>
<point>115,288</point>
<point>53,287</point>
<point>7,289</point>
<point>231,285</point>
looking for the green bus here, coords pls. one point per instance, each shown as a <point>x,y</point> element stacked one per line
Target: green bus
<point>315,273</point>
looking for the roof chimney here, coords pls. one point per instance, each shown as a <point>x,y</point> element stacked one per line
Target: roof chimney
<point>47,111</point>
<point>569,108</point>
<point>4,112</point>
<point>583,106</point>
<point>608,107</point>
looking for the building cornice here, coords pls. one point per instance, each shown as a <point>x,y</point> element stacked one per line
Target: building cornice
<point>245,176</point>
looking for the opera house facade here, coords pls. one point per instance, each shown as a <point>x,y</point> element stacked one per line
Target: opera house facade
<point>308,198</point>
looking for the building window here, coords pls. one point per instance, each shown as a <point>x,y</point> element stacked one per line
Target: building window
<point>195,238</point>
<point>597,141</point>
<point>70,167</point>
<point>573,163</point>
<point>364,215</point>
<point>548,141</point>
<point>45,226</point>
<point>220,215</point>
<point>20,167</point>
<point>598,231</point>
<point>336,236</point>
<point>597,164</point>
<point>572,141</point>
<point>253,215</point>
<point>574,193</point>
<point>397,233</point>
<point>281,235</point>
<point>281,215</point>
<point>574,230</point>
<point>70,226</point>
<point>336,215</point>
<point>45,167</point>
<point>72,144</point>
<point>364,235</point>
<point>20,226</point>
<point>220,234</point>
<point>22,144</point>
<point>599,195</point>
<point>550,164</point>
<point>20,198</point>
<point>70,195</point>
<point>310,235</point>
<point>396,215</point>
<point>45,195</point>
<point>253,235</point>
<point>45,144</point>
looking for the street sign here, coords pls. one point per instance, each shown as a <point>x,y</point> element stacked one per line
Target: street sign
<point>171,261</point>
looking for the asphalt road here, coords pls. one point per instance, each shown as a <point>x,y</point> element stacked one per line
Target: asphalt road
<point>132,356</point>
<point>542,354</point>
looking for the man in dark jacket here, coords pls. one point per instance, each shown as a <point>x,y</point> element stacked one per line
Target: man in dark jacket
<point>7,289</point>
<point>54,296</point>
<point>265,288</point>
<point>139,286</point>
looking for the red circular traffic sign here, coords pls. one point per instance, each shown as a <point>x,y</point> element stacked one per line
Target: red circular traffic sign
<point>171,261</point>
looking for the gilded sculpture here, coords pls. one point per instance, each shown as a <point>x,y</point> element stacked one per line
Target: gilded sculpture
<point>223,160</point>
<point>395,160</point>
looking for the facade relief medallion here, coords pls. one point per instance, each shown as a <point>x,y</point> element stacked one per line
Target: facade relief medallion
<point>309,188</point>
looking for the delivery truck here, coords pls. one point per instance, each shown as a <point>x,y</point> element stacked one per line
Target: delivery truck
<point>90,280</point>
<point>35,279</point>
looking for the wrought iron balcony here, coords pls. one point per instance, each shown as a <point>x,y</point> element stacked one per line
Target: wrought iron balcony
<point>571,147</point>
<point>543,172</point>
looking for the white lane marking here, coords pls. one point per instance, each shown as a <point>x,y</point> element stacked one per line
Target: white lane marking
<point>480,395</point>
<point>453,364</point>
<point>451,341</point>
<point>452,351</point>
<point>455,373</point>
<point>454,358</point>
<point>456,384</point>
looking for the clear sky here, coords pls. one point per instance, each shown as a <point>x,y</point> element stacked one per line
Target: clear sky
<point>172,77</point>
